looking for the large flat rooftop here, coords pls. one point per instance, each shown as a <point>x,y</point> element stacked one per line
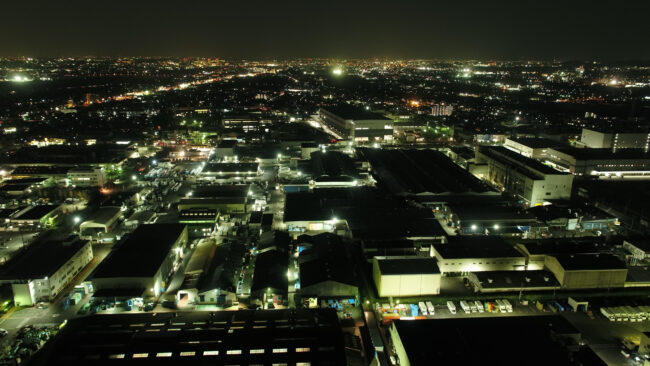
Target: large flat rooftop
<point>604,153</point>
<point>346,112</point>
<point>487,341</point>
<point>141,253</point>
<point>506,155</point>
<point>40,259</point>
<point>420,171</point>
<point>245,337</point>
<point>476,247</point>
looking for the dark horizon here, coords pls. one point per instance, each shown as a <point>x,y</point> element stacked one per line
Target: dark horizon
<point>510,30</point>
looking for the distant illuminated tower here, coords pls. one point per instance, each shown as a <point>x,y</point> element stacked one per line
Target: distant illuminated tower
<point>87,102</point>
<point>70,103</point>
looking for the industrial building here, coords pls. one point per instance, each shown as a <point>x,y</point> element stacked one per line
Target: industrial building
<point>603,162</point>
<point>333,169</point>
<point>540,340</point>
<point>223,205</point>
<point>615,139</point>
<point>464,254</point>
<point>536,250</point>
<point>247,122</point>
<point>582,271</point>
<point>513,281</point>
<point>87,176</point>
<point>326,274</point>
<point>360,212</point>
<point>297,337</point>
<point>536,148</point>
<point>487,219</point>
<point>406,276</point>
<point>230,171</point>
<point>140,264</point>
<point>357,124</point>
<point>101,222</point>
<point>419,172</point>
<point>206,278</point>
<point>36,216</point>
<point>533,182</point>
<point>44,269</point>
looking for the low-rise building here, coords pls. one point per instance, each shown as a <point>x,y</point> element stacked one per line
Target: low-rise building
<point>44,269</point>
<point>604,162</point>
<point>638,247</point>
<point>615,139</point>
<point>36,216</point>
<point>139,266</point>
<point>357,124</point>
<point>533,182</point>
<point>536,148</point>
<point>541,340</point>
<point>245,337</point>
<point>513,281</point>
<point>87,176</point>
<point>326,274</point>
<point>406,276</point>
<point>464,254</point>
<point>583,271</point>
<point>103,221</point>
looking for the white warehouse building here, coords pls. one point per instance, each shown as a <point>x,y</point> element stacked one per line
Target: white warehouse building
<point>406,276</point>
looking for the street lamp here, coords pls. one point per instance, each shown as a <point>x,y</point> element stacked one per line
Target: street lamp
<point>77,219</point>
<point>134,177</point>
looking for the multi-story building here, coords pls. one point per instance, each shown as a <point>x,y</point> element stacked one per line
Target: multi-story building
<point>531,181</point>
<point>357,124</point>
<point>604,162</point>
<point>44,269</point>
<point>615,139</point>
<point>140,266</point>
<point>536,148</point>
<point>87,176</point>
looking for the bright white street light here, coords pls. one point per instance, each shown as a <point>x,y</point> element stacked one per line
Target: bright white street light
<point>473,227</point>
<point>76,219</point>
<point>134,177</point>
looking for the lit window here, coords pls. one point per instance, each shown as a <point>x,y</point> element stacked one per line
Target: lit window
<point>257,351</point>
<point>303,364</point>
<point>279,350</point>
<point>187,353</point>
<point>302,349</point>
<point>140,355</point>
<point>233,352</point>
<point>121,355</point>
<point>163,354</point>
<point>210,353</point>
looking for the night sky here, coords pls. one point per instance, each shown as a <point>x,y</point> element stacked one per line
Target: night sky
<point>552,29</point>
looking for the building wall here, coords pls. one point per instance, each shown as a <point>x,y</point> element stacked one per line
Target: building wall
<point>329,289</point>
<point>637,253</point>
<point>466,265</point>
<point>595,139</point>
<point>88,178</point>
<point>64,275</point>
<point>583,279</point>
<point>399,346</point>
<point>405,284</point>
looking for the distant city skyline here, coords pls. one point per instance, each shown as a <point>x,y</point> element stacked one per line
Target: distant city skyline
<point>600,30</point>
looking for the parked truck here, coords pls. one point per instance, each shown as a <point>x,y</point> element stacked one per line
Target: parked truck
<point>479,306</point>
<point>430,308</point>
<point>451,307</point>
<point>423,308</point>
<point>508,305</point>
<point>472,306</point>
<point>501,306</point>
<point>465,306</point>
